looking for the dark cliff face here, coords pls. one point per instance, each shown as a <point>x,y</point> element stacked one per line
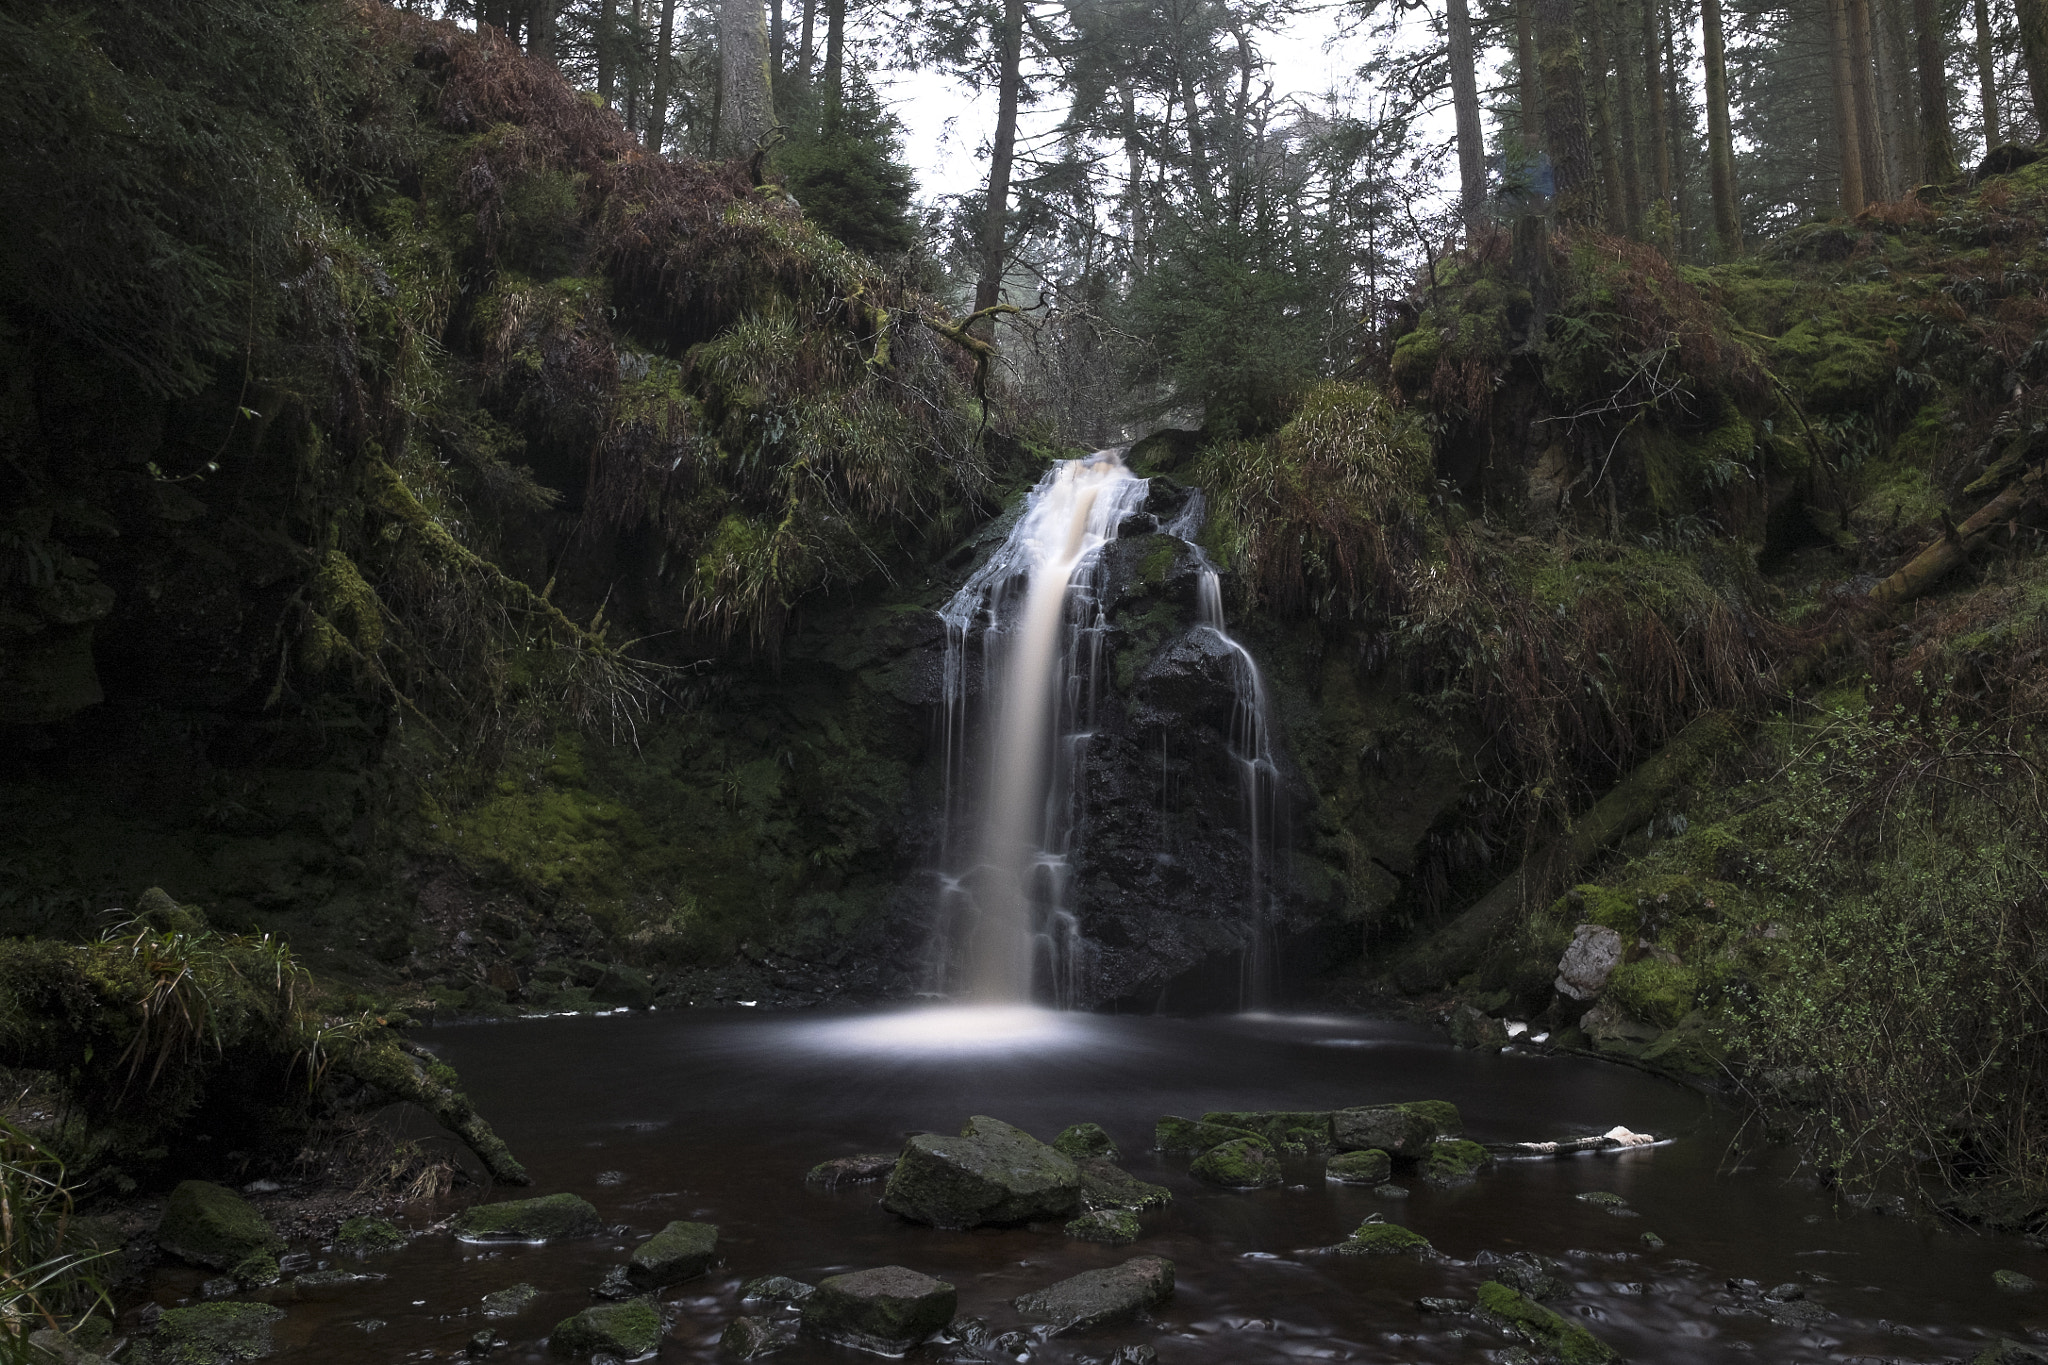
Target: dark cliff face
<point>1163,884</point>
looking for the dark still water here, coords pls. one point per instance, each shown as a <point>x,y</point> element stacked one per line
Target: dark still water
<point>716,1117</point>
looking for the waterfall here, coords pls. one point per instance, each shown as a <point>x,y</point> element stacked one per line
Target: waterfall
<point>1251,749</point>
<point>1036,603</point>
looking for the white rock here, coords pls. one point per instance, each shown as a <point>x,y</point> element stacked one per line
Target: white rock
<point>1621,1137</point>
<point>1594,953</point>
<point>1517,1030</point>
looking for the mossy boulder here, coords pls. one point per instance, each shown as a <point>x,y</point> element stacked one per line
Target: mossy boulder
<point>1117,1227</point>
<point>1473,1028</point>
<point>1189,1137</point>
<point>510,1301</point>
<point>1097,1297</point>
<point>887,1310</point>
<point>625,1330</point>
<point>2012,1282</point>
<point>1309,1128</point>
<point>1105,1186</point>
<point>1082,1141</point>
<point>1384,1239</point>
<point>1369,1167</point>
<point>1403,1130</point>
<point>681,1251</point>
<point>1246,1163</point>
<point>1533,1276</point>
<point>991,1173</point>
<point>213,1334</point>
<point>1453,1161</point>
<point>852,1170</point>
<point>1556,1338</point>
<point>362,1236</point>
<point>212,1226</point>
<point>549,1218</point>
<point>776,1289</point>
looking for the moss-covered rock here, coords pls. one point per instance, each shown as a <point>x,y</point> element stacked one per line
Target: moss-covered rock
<point>750,1338</point>
<point>1556,1338</point>
<point>549,1218</point>
<point>1279,1127</point>
<point>1453,1161</point>
<point>1188,1137</point>
<point>626,1330</point>
<point>2012,1282</point>
<point>362,1236</point>
<point>1535,1277</point>
<point>210,1225</point>
<point>991,1173</point>
<point>776,1289</point>
<point>1402,1130</point>
<point>1105,1186</point>
<point>680,1251</point>
<point>1384,1239</point>
<point>1081,1141</point>
<point>1369,1167</point>
<point>1117,1227</point>
<point>852,1170</point>
<point>1473,1028</point>
<point>1246,1163</point>
<point>887,1310</point>
<point>510,1301</point>
<point>1098,1297</point>
<point>213,1334</point>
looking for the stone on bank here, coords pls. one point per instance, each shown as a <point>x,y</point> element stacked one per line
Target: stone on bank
<point>212,1226</point>
<point>211,1334</point>
<point>887,1310</point>
<point>626,1330</point>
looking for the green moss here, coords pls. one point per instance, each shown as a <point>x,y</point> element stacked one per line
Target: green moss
<point>1188,1137</point>
<point>1158,561</point>
<point>1113,1226</point>
<point>1369,1167</point>
<point>548,1218</point>
<point>1384,1239</point>
<point>627,1330</point>
<point>1080,1141</point>
<point>1654,991</point>
<point>1416,356</point>
<point>1559,1337</point>
<point>1441,1115</point>
<point>1244,1163</point>
<point>1455,1162</point>
<point>213,1333</point>
<point>362,1236</point>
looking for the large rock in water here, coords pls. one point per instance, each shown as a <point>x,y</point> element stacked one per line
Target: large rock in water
<point>991,1173</point>
<point>680,1251</point>
<point>887,1310</point>
<point>1402,1130</point>
<point>547,1219</point>
<point>1096,1297</point>
<point>1245,1164</point>
<point>1191,1137</point>
<point>211,1225</point>
<point>625,1330</point>
<point>1310,1128</point>
<point>1557,1338</point>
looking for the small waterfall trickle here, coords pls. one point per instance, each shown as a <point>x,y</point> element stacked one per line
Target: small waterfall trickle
<point>1251,749</point>
<point>1036,604</point>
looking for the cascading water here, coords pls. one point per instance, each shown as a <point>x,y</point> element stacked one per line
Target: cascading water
<point>1037,605</point>
<point>1251,748</point>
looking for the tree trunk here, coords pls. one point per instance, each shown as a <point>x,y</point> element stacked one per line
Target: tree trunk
<point>1898,94</point>
<point>1987,75</point>
<point>1863,82</point>
<point>995,236</point>
<point>1611,197</point>
<point>1134,175</point>
<point>1937,146</point>
<point>778,53</point>
<point>1660,119</point>
<point>2033,17</point>
<point>1681,194</point>
<point>1626,73</point>
<point>1720,139</point>
<point>1531,94</point>
<point>664,69</point>
<point>1847,132</point>
<point>1564,112</point>
<point>746,99</point>
<point>1465,101</point>
<point>540,29</point>
<point>607,66</point>
<point>804,50</point>
<point>835,62</point>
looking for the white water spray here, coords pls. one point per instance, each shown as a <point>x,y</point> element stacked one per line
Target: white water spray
<point>1251,749</point>
<point>1038,603</point>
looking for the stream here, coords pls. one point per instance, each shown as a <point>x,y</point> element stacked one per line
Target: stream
<point>717,1116</point>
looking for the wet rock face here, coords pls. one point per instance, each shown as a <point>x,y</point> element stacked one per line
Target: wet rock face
<point>550,1218</point>
<point>681,1251</point>
<point>213,1334</point>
